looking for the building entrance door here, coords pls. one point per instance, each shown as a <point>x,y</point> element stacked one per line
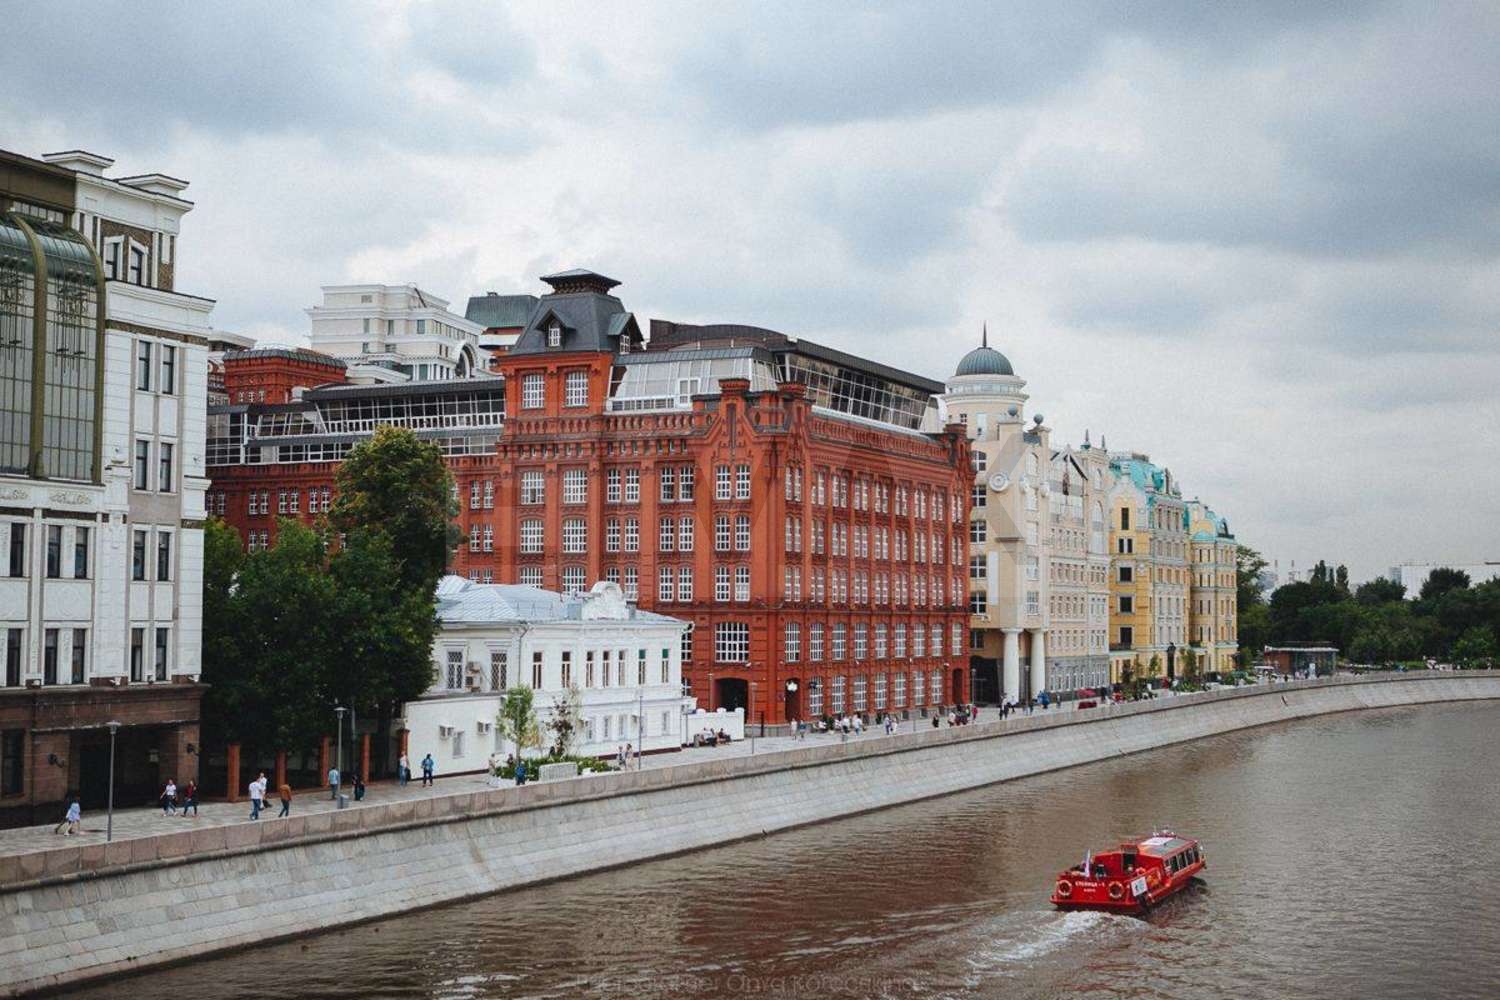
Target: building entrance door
<point>733,693</point>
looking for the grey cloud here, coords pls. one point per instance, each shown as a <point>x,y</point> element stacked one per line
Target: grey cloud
<point>236,69</point>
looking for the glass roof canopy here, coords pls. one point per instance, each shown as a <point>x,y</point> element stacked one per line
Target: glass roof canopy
<point>669,379</point>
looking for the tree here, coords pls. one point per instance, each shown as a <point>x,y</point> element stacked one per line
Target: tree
<point>1189,666</point>
<point>1249,565</point>
<point>1475,649</point>
<point>399,484</point>
<point>223,706</point>
<point>274,643</point>
<point>384,640</point>
<point>1442,580</point>
<point>1254,627</point>
<point>516,721</point>
<point>566,721</point>
<point>1380,591</point>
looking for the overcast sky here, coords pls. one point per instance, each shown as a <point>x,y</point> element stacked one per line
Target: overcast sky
<point>1259,241</point>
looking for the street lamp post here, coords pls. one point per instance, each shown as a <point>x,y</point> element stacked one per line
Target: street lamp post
<point>109,822</point>
<point>791,688</point>
<point>751,727</point>
<point>339,710</point>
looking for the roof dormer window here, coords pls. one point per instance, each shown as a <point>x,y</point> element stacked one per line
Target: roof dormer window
<point>554,334</point>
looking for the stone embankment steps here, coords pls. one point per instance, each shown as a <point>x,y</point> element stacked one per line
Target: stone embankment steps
<point>78,913</point>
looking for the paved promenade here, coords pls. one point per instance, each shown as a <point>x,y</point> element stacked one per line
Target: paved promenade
<point>137,822</point>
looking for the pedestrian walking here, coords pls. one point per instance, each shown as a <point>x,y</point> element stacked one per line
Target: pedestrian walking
<point>427,766</point>
<point>359,787</point>
<point>257,795</point>
<point>520,772</point>
<point>285,791</point>
<point>630,753</point>
<point>72,820</point>
<point>190,798</point>
<point>403,770</point>
<point>333,782</point>
<point>620,756</point>
<point>169,798</point>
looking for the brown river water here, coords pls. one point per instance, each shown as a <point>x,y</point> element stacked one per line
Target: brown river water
<point>1351,856</point>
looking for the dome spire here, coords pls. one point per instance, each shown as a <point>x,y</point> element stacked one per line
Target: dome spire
<point>984,336</point>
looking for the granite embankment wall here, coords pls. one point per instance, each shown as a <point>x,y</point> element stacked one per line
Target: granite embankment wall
<point>78,913</point>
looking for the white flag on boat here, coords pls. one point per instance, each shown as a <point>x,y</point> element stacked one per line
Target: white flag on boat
<point>1088,858</point>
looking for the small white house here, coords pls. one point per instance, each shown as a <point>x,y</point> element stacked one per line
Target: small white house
<point>625,663</point>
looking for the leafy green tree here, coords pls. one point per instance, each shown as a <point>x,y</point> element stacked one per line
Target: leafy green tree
<point>1475,649</point>
<point>1442,580</point>
<point>517,722</point>
<point>383,644</point>
<point>223,703</point>
<point>566,721</point>
<point>1254,631</point>
<point>1380,591</point>
<point>280,622</point>
<point>1248,567</point>
<point>400,484</point>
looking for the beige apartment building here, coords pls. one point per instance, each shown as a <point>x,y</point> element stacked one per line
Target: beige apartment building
<point>1038,558</point>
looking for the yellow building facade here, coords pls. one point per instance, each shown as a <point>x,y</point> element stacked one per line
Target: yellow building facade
<point>1214,599</point>
<point>1149,577</point>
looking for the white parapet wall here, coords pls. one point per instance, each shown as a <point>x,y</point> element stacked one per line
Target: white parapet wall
<point>79,913</point>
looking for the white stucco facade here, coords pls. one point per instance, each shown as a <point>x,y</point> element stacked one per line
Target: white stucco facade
<point>394,333</point>
<point>626,665</point>
<point>103,579</point>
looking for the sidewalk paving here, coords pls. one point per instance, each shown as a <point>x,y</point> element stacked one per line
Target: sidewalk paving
<point>137,822</point>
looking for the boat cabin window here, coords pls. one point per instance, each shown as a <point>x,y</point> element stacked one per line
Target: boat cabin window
<point>1127,860</point>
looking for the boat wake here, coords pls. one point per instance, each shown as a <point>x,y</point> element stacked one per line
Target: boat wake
<point>1021,939</point>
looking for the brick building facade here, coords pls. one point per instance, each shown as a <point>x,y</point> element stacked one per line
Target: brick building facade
<point>783,497</point>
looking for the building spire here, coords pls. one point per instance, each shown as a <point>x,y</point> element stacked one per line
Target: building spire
<point>984,336</point>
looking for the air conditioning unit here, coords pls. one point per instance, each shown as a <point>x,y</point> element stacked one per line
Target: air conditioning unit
<point>445,732</point>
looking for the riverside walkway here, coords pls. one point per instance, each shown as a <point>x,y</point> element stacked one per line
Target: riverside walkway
<point>137,822</point>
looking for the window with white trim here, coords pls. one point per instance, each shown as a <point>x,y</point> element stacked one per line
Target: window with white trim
<point>575,486</point>
<point>742,583</point>
<point>532,392</point>
<point>731,642</point>
<point>575,535</point>
<point>533,490</point>
<point>576,389</point>
<point>685,583</point>
<point>531,536</point>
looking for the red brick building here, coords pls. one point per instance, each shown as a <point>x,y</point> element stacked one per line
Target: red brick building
<point>782,496</point>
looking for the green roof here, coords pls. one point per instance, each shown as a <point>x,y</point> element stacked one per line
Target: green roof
<point>493,311</point>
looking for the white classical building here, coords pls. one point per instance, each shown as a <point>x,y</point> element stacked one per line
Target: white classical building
<point>103,384</point>
<point>625,663</point>
<point>394,333</point>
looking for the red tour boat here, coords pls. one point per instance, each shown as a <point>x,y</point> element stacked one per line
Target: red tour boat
<point>1132,877</point>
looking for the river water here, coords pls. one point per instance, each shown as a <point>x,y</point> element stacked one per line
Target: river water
<point>1348,856</point>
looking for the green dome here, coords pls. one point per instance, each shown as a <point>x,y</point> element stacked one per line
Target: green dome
<point>984,361</point>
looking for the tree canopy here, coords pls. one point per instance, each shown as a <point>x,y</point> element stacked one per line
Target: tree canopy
<point>293,630</point>
<point>1450,620</point>
<point>399,484</point>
